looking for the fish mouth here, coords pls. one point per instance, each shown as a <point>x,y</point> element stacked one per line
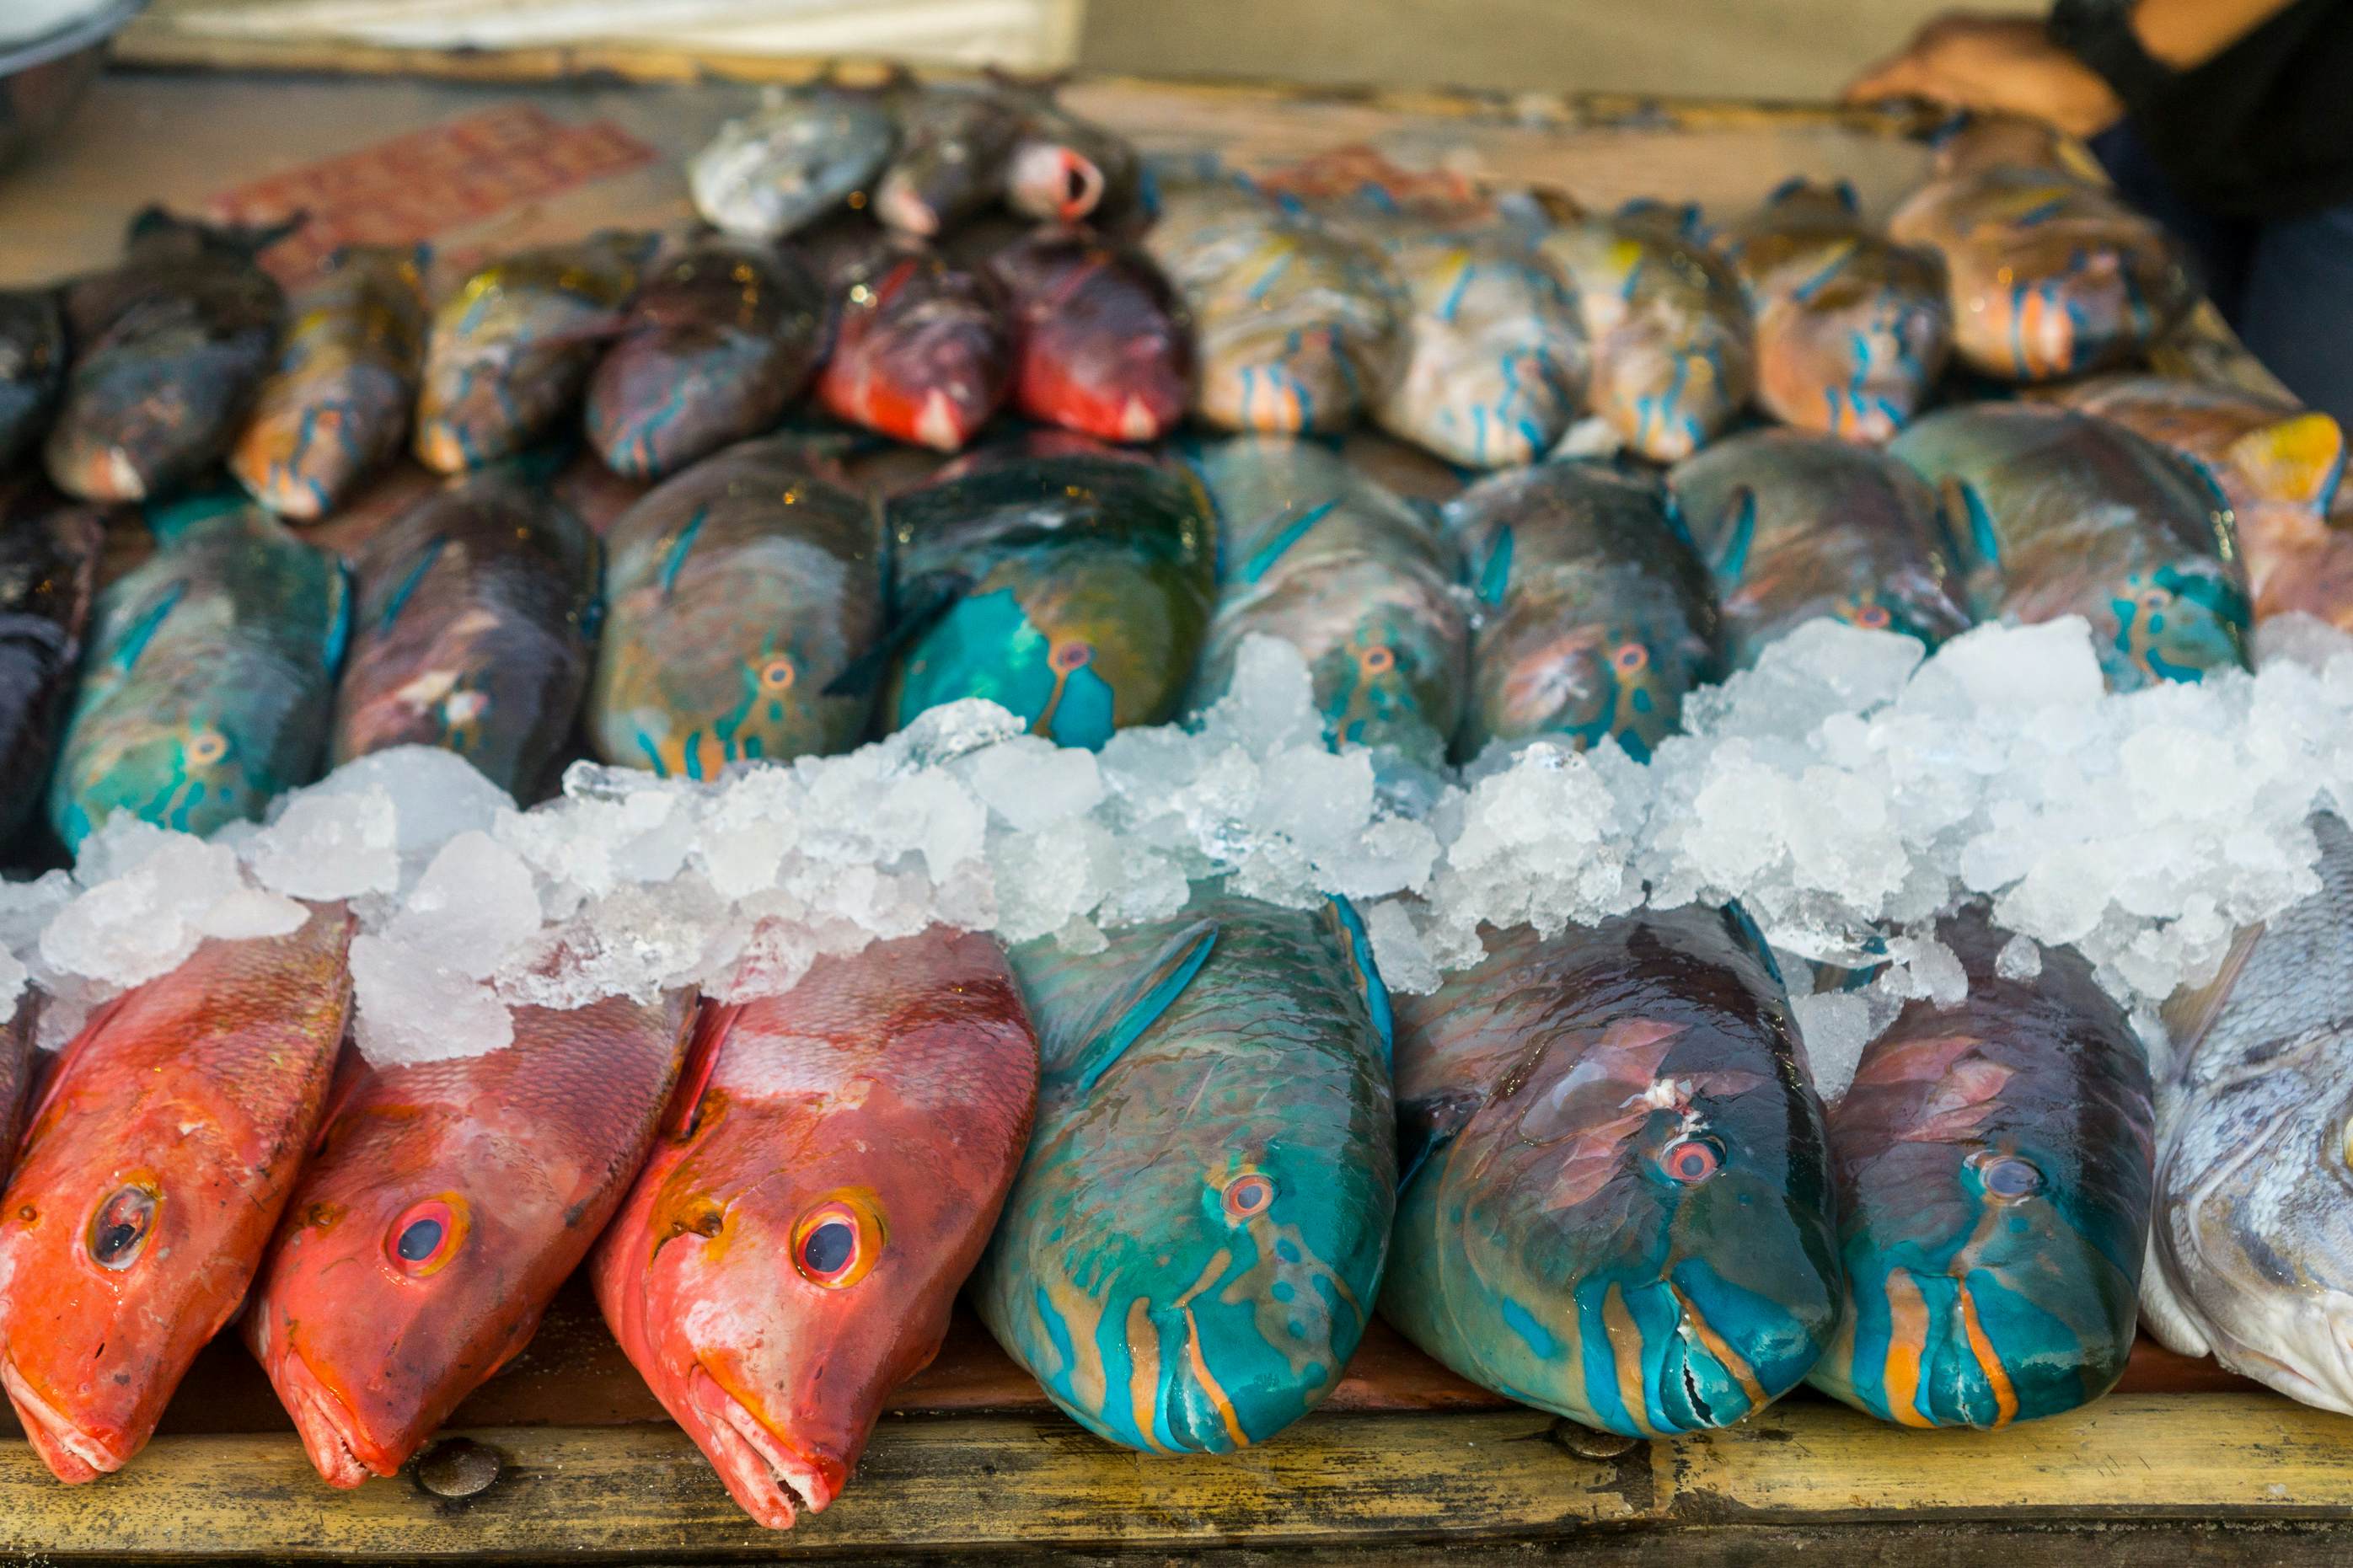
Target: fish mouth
<point>772,1480</point>
<point>73,1454</point>
<point>330,1428</point>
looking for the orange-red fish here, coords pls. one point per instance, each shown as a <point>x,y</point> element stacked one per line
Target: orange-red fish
<point>447,1202</point>
<point>154,1170</point>
<point>793,1248</point>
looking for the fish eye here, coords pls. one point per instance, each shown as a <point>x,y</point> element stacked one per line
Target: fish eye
<point>1378,660</point>
<point>426,1237</point>
<point>206,747</point>
<point>1248,1195</point>
<point>119,1230</point>
<point>1692,1161</point>
<point>2009,1176</point>
<point>1871,618</point>
<point>1630,657</point>
<point>1072,654</point>
<point>2155,598</point>
<point>777,675</point>
<point>838,1242</point>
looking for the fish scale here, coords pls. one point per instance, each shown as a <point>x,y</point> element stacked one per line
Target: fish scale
<point>512,1162</point>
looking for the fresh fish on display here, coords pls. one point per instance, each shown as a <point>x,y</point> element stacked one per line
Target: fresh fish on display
<point>1074,591</point>
<point>1297,327</point>
<point>771,173</point>
<point>49,549</point>
<point>511,350</point>
<point>475,630</point>
<point>168,350</point>
<point>719,342</point>
<point>2280,467</point>
<point>1101,344</point>
<point>953,146</point>
<point>2250,1256</point>
<point>1617,1199</point>
<point>791,1252</point>
<point>1852,329</point>
<point>32,368</point>
<point>923,349</point>
<point>1322,555</point>
<point>208,682</point>
<point>2050,274</point>
<point>1993,1163</point>
<point>1794,526</point>
<point>1595,617</point>
<point>156,1166</point>
<point>443,1204</point>
<point>2058,513</point>
<point>737,594</point>
<point>1667,325</point>
<point>336,408</point>
<point>1064,169</point>
<point>1193,1246</point>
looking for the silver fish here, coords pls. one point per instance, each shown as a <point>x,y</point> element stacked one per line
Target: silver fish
<point>768,175</point>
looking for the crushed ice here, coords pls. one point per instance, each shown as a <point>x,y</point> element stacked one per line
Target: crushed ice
<point>1846,791</point>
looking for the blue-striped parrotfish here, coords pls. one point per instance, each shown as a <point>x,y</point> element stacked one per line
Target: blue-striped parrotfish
<point>1190,1252</point>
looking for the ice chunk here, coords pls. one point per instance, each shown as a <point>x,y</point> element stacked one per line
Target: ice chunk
<point>336,844</point>
<point>409,1009</point>
<point>1398,952</point>
<point>475,904</point>
<point>435,795</point>
<point>1835,1026</point>
<point>2019,959</point>
<point>252,913</point>
<point>133,928</point>
<point>1034,784</point>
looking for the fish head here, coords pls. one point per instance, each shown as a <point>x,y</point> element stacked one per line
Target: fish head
<point>1990,1277</point>
<point>1590,682</point>
<point>1857,358</point>
<point>2175,623</point>
<point>192,773</point>
<point>923,352</point>
<point>1656,1241</point>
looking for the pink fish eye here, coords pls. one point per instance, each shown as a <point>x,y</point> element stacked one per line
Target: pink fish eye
<point>1690,1161</point>
<point>1248,1195</point>
<point>1871,618</point>
<point>1631,657</point>
<point>2009,1176</point>
<point>119,1230</point>
<point>1072,655</point>
<point>424,1238</point>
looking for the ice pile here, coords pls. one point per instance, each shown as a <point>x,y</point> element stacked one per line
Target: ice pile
<point>1844,791</point>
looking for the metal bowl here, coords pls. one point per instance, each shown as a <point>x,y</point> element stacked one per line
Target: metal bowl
<point>42,80</point>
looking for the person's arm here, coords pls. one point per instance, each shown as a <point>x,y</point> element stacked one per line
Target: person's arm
<point>2184,34</point>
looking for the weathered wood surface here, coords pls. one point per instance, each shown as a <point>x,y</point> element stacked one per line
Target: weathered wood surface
<point>978,1484</point>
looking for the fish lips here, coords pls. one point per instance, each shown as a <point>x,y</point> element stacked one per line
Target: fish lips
<point>333,1433</point>
<point>765,1474</point>
<point>74,1453</point>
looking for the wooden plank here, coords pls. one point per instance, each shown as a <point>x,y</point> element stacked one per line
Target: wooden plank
<point>966,1484</point>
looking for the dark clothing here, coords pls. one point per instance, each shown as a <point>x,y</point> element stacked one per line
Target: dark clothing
<point>2263,129</point>
<point>2286,285</point>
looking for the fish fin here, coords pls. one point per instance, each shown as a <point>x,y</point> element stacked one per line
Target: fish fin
<point>1734,542</point>
<point>1290,533</point>
<point>713,1021</point>
<point>351,1071</point>
<point>928,602</point>
<point>1424,1129</point>
<point>397,600</point>
<point>2190,1011</point>
<point>2297,460</point>
<point>1749,935</point>
<point>143,630</point>
<point>1495,571</point>
<point>1134,1007</point>
<point>338,640</point>
<point>1359,945</point>
<point>682,546</point>
<point>1965,511</point>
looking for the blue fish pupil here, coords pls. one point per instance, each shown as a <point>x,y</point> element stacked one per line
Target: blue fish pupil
<point>828,1248</point>
<point>420,1241</point>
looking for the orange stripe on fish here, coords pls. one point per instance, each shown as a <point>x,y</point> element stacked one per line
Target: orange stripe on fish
<point>1721,1348</point>
<point>1144,1372</point>
<point>1907,1342</point>
<point>2005,1396</point>
<point>1626,1355</point>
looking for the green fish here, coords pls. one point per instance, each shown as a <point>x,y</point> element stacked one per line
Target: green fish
<point>1074,591</point>
<point>1189,1254</point>
<point>206,684</point>
<point>2059,513</point>
<point>1617,1198</point>
<point>1794,526</point>
<point>1322,555</point>
<point>1597,617</point>
<point>1994,1163</point>
<point>737,594</point>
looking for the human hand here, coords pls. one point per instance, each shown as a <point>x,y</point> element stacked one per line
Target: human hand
<point>1997,64</point>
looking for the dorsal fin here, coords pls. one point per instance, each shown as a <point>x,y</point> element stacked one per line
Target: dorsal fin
<point>2298,460</point>
<point>1133,1007</point>
<point>711,1023</point>
<point>2190,1011</point>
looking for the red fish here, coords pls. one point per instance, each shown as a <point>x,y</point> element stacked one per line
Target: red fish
<point>447,1202</point>
<point>157,1162</point>
<point>1101,344</point>
<point>923,351</point>
<point>793,1248</point>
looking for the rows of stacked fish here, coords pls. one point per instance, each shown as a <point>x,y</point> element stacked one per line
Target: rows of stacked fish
<point>1180,1173</point>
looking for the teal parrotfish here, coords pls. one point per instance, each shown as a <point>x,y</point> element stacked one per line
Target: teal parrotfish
<point>1793,525</point>
<point>1617,1203</point>
<point>1668,325</point>
<point>1994,1164</point>
<point>1595,617</point>
<point>475,625</point>
<point>2049,273</point>
<point>1323,555</point>
<point>1852,329</point>
<point>1190,1252</point>
<point>2058,513</point>
<point>510,353</point>
<point>336,408</point>
<point>206,682</point>
<point>1074,591</point>
<point>736,593</point>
